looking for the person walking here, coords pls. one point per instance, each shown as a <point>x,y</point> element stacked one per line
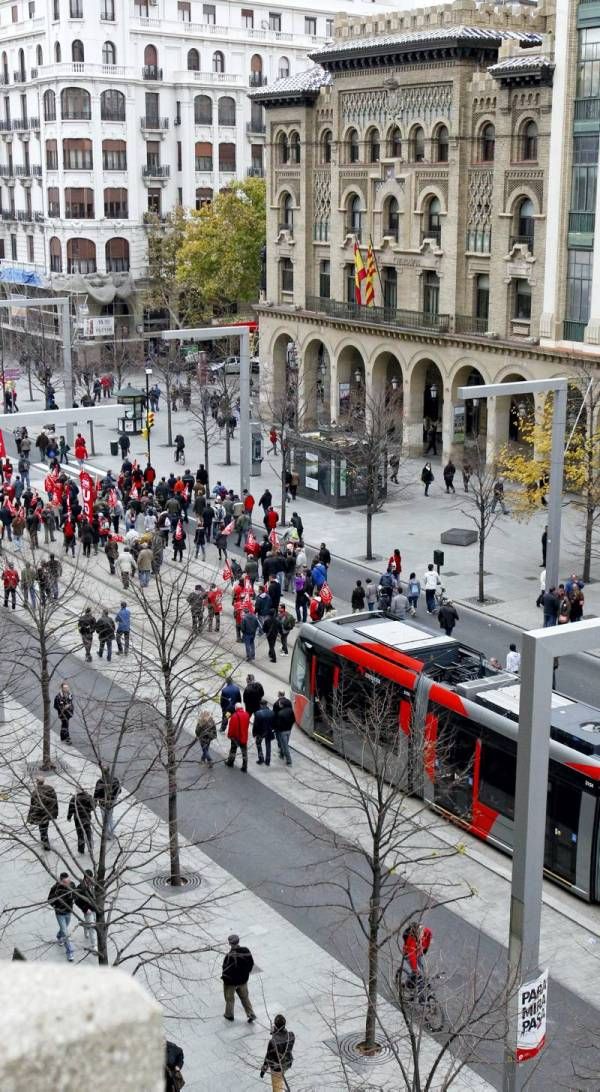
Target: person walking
<point>427,477</point>
<point>467,471</point>
<point>106,793</point>
<point>179,448</point>
<point>61,897</point>
<point>270,625</point>
<point>399,606</point>
<point>179,537</point>
<point>263,732</point>
<point>357,599</point>
<point>550,605</point>
<point>43,806</point>
<point>63,703</point>
<point>144,563</point>
<point>449,472</point>
<point>253,695</point>
<point>200,540</point>
<point>544,547</point>
<point>80,811</point>
<point>285,720</point>
<point>126,566</point>
<point>279,1057</point>
<point>237,732</point>
<point>196,600</point>
<point>10,580</point>
<point>413,591</point>
<point>248,628</point>
<point>394,462</point>
<point>105,628</point>
<point>85,901</point>
<point>513,660</point>
<point>230,696</point>
<point>28,582</point>
<point>174,1058</point>
<point>237,966</point>
<point>370,594</point>
<point>123,632</point>
<point>498,497</point>
<point>447,617</point>
<point>431,582</point>
<point>286,623</point>
<point>87,627</point>
<point>214,601</point>
<point>206,733</point>
<point>54,569</point>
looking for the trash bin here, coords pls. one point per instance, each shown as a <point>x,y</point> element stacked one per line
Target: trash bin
<point>114,447</point>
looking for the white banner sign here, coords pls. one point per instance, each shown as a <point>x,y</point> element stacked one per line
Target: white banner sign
<point>97,326</point>
<point>531,1030</point>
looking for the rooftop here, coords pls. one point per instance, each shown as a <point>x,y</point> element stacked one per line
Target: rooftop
<point>426,39</point>
<point>307,83</point>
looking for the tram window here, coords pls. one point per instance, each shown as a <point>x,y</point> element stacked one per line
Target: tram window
<point>299,672</point>
<point>369,703</point>
<point>562,826</point>
<point>564,802</point>
<point>497,778</point>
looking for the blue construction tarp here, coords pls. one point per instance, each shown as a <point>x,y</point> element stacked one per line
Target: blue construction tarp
<point>22,276</point>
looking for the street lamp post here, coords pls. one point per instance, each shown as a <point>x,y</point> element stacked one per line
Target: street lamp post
<point>148,374</point>
<point>557,454</point>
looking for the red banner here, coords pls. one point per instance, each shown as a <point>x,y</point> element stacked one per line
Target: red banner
<point>227,573</point>
<point>88,494</point>
<point>2,446</point>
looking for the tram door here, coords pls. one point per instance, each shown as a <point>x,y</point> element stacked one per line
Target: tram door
<point>562,828</point>
<point>325,677</point>
<point>455,757</point>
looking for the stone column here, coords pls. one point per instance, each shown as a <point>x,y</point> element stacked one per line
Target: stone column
<point>447,425</point>
<point>491,440</point>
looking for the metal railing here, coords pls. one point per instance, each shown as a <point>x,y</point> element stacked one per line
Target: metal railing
<point>255,127</point>
<point>587,109</point>
<point>409,320</point>
<point>154,123</point>
<point>34,73</point>
<point>470,324</point>
<point>19,77</point>
<point>152,72</point>
<point>26,123</point>
<point>256,79</point>
<point>521,240</point>
<point>255,172</point>
<point>157,171</point>
<point>583,222</point>
<point>434,233</point>
<point>573,331</point>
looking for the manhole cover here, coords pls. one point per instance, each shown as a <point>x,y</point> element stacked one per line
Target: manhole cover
<point>349,1048</point>
<point>488,601</point>
<point>163,884</point>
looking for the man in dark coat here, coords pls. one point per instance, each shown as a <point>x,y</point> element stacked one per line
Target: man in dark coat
<point>63,703</point>
<point>105,628</point>
<point>279,1056</point>
<point>237,965</point>
<point>271,630</point>
<point>447,617</point>
<point>262,731</point>
<point>285,720</point>
<point>81,809</point>
<point>230,697</point>
<point>253,694</point>
<point>43,807</point>
<point>173,1066</point>
<point>108,788</point>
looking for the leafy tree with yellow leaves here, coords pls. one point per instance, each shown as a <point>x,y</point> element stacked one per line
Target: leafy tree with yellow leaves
<point>529,467</point>
<point>222,244</point>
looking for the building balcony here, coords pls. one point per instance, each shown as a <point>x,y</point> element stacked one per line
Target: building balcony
<point>380,316</point>
<point>155,170</point>
<point>573,331</point>
<point>24,217</point>
<point>24,124</point>
<point>256,79</point>
<point>255,172</point>
<point>434,233</point>
<point>587,109</point>
<point>254,128</point>
<point>208,77</point>
<point>582,223</point>
<point>154,124</point>
<point>19,77</point>
<point>521,240</point>
<point>9,215</point>
<point>82,68</point>
<point>34,73</point>
<point>152,72</point>
<point>470,324</point>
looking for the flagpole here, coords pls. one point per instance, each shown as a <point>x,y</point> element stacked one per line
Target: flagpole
<point>376,263</point>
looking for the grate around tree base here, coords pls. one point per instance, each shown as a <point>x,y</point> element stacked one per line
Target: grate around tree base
<point>162,883</point>
<point>488,601</point>
<point>349,1048</point>
<point>35,768</point>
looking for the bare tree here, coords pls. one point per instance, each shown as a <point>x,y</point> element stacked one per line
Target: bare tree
<point>207,428</point>
<point>374,439</point>
<point>484,503</point>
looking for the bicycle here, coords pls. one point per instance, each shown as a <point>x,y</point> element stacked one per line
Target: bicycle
<point>417,993</point>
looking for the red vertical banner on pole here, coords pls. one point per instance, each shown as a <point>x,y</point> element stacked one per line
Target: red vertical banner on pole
<point>2,447</point>
<point>88,494</point>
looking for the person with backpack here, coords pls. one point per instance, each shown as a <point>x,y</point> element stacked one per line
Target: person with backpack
<point>106,792</point>
<point>179,448</point>
<point>230,696</point>
<point>80,811</point>
<point>417,940</point>
<point>263,732</point>
<point>279,1057</point>
<point>206,732</point>
<point>413,591</point>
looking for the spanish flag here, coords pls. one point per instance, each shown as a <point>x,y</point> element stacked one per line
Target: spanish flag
<point>360,273</point>
<point>370,273</point>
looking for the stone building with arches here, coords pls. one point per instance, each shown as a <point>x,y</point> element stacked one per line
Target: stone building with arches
<point>427,135</point>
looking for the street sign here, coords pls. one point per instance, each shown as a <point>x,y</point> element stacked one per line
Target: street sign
<point>532,1007</point>
<point>12,373</point>
<point>97,326</point>
<point>191,354</point>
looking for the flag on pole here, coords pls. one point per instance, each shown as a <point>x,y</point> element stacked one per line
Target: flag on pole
<point>227,573</point>
<point>251,539</point>
<point>274,539</point>
<point>359,273</point>
<point>229,528</point>
<point>370,273</point>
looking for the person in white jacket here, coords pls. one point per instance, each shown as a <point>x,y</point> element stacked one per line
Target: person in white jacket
<point>430,582</point>
<point>126,566</point>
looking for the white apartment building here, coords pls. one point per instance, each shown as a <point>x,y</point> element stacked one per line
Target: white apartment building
<point>113,108</point>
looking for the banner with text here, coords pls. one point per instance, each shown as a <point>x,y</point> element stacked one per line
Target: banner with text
<point>531,1029</point>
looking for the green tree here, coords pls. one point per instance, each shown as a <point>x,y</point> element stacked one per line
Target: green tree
<point>184,304</point>
<point>221,246</point>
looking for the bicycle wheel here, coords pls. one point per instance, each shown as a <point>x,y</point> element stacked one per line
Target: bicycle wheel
<point>433,1015</point>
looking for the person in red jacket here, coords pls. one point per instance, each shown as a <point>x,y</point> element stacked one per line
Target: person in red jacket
<point>395,562</point>
<point>10,579</point>
<point>215,607</point>
<point>237,731</point>
<point>249,502</point>
<point>80,448</point>
<point>150,476</point>
<point>271,519</point>
<point>417,939</point>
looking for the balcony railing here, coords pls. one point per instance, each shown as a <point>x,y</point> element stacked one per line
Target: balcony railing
<point>34,73</point>
<point>409,320</point>
<point>150,170</point>
<point>26,123</point>
<point>587,109</point>
<point>573,331</point>
<point>470,324</point>
<point>286,226</point>
<point>19,77</point>
<point>390,231</point>
<point>9,215</point>
<point>39,217</point>
<point>521,240</point>
<point>5,126</point>
<point>582,222</point>
<point>153,122</point>
<point>24,217</point>
<point>255,128</point>
<point>152,72</point>
<point>434,233</point>
<point>256,79</point>
<point>255,172</point>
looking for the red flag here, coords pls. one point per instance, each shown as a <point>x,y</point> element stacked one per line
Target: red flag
<point>134,493</point>
<point>274,539</point>
<point>179,531</point>
<point>227,573</point>
<point>112,498</point>
<point>2,446</point>
<point>326,594</point>
<point>88,495</point>
<point>251,539</point>
<point>227,530</point>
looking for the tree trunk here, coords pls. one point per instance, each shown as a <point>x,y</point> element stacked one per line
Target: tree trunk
<point>170,743</point>
<point>369,554</point>
<point>283,485</point>
<point>588,538</point>
<point>206,451</point>
<point>480,592</point>
<point>100,900</point>
<point>373,957</point>
<point>29,382</point>
<point>169,411</point>
<point>227,443</point>
<point>47,763</point>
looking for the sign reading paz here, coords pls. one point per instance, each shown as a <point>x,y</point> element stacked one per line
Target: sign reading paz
<point>531,1029</point>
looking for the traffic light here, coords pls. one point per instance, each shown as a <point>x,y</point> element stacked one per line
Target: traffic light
<point>145,433</point>
<point>150,420</point>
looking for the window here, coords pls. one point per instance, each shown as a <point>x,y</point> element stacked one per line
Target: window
<point>588,67</point>
<point>31,8</point>
<point>329,28</point>
<point>76,9</point>
<point>193,60</point>
<point>522,297</point>
<point>39,55</point>
<point>30,248</point>
<point>218,61</point>
<point>142,9</point>
<point>391,218</point>
<point>431,294</point>
<point>107,11</point>
<point>287,275</point>
<point>354,216</point>
<point>115,204</point>
<point>2,253</point>
<point>112,106</point>
<point>487,143</point>
<point>57,54</point>
<point>178,113</point>
<point>81,256</point>
<point>184,11</point>
<point>151,71</point>
<point>579,285</point>
<point>525,223</point>
<point>75,104</point>
<point>209,14</point>
<point>418,144</point>
<point>179,156</point>
<point>114,155</point>
<point>310,25</point>
<point>56,10</point>
<point>77,155</point>
<point>287,213</point>
<point>395,143</point>
<point>374,146</point>
<point>433,223</point>
<point>153,155</point>
<point>247,18</point>
<point>203,110</point>
<point>482,296</point>
<point>7,111</point>
<point>55,251</point>
<point>5,67</point>
<point>584,173</point>
<point>51,155</point>
<point>109,53</point>
<point>325,279</point>
<point>226,111</point>
<point>283,69</point>
<point>14,11</point>
<point>326,146</point>
<point>294,148</point>
<point>79,203</point>
<point>154,201</point>
<point>13,241</point>
<point>529,141</point>
<point>53,201</point>
<point>349,284</point>
<point>204,197</point>
<point>21,75</point>
<point>441,144</point>
<point>257,118</point>
<point>497,777</point>
<point>116,254</point>
<point>274,21</point>
<point>227,158</point>
<point>77,51</point>
<point>390,288</point>
<point>353,147</point>
<point>204,156</point>
<point>256,154</point>
<point>284,148</point>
